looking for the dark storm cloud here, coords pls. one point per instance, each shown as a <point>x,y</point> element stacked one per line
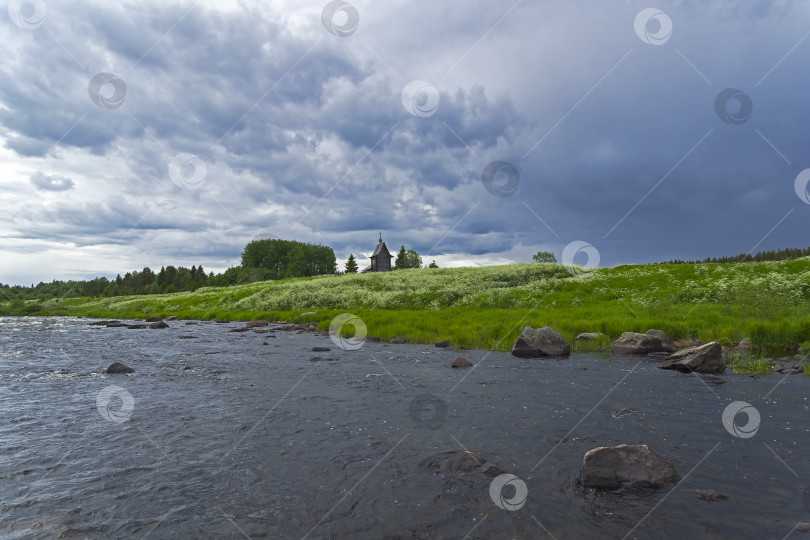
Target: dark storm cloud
<point>617,142</point>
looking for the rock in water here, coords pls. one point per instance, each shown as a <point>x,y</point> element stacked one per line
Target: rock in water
<point>461,461</point>
<point>399,340</point>
<point>628,466</point>
<point>708,495</point>
<point>635,343</point>
<point>159,324</point>
<point>667,345</point>
<point>533,343</point>
<point>460,362</point>
<point>118,367</point>
<point>153,319</point>
<point>442,344</point>
<point>702,359</point>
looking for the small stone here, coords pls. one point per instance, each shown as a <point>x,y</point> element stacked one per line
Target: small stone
<point>399,340</point>
<point>442,344</point>
<point>173,318</point>
<point>320,359</point>
<point>159,324</point>
<point>153,319</point>
<point>373,339</point>
<point>119,368</point>
<point>588,336</point>
<point>321,349</point>
<point>460,362</point>
<point>186,337</point>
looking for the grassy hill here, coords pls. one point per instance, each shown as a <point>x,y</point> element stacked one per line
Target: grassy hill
<point>487,307</point>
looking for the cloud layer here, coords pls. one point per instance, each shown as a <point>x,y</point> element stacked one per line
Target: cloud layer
<point>150,134</point>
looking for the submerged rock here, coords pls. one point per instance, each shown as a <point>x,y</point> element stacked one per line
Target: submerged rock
<point>534,343</point>
<point>321,349</point>
<point>702,359</point>
<point>461,461</point>
<point>460,363</point>
<point>626,466</point>
<point>117,368</point>
<point>708,495</point>
<point>256,324</point>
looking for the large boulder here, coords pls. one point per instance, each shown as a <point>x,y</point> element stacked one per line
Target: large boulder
<point>626,466</point>
<point>119,368</point>
<point>706,358</point>
<point>635,343</point>
<point>537,342</point>
<point>667,345</point>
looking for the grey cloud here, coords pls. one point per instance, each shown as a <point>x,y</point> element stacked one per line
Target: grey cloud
<point>51,182</point>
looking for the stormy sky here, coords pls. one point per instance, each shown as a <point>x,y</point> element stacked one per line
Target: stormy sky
<point>476,132</point>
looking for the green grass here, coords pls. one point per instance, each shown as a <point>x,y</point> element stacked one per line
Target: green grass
<point>768,302</point>
<point>750,365</point>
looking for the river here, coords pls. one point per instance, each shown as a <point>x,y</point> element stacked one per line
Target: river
<point>241,435</point>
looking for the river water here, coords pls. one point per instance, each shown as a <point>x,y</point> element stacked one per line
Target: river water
<point>240,435</point>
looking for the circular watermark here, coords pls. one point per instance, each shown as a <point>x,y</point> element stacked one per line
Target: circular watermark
<point>107,90</point>
<point>428,410</point>
<point>575,248</point>
<point>27,14</point>
<point>420,98</point>
<point>340,18</point>
<point>730,416</point>
<point>187,171</point>
<point>728,113</point>
<point>653,26</point>
<point>802,186</point>
<point>104,400</point>
<point>336,332</point>
<point>516,501</point>
<point>501,169</point>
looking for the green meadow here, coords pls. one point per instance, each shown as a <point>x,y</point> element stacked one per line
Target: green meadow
<point>486,308</point>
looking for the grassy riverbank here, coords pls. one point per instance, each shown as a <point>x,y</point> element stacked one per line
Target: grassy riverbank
<point>487,307</point>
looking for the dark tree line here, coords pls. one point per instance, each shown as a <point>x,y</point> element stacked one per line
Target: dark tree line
<point>261,260</point>
<point>772,255</point>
